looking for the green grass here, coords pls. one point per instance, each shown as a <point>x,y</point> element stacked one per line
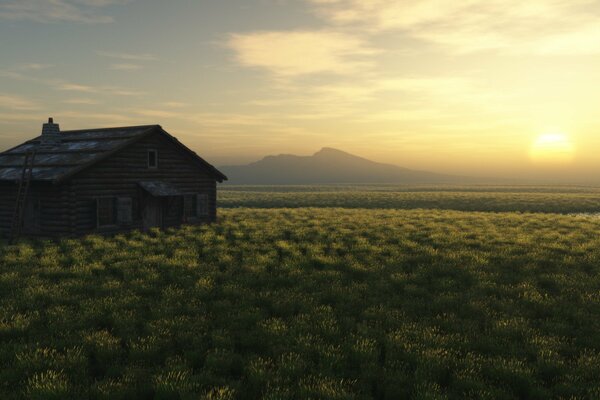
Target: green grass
<point>309,304</point>
<point>345,188</point>
<point>564,200</point>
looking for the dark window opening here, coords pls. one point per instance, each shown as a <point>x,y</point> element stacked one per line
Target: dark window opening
<point>152,159</point>
<point>105,211</point>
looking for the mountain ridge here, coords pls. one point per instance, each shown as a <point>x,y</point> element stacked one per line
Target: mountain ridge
<point>330,166</point>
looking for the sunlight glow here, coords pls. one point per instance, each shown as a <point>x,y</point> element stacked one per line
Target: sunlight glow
<point>552,148</point>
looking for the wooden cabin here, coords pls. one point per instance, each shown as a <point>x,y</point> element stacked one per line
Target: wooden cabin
<point>71,183</point>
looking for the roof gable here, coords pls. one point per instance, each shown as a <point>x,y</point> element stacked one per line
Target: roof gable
<point>81,149</point>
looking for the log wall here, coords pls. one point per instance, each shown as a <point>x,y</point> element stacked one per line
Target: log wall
<point>70,208</point>
<point>118,176</point>
<point>7,204</point>
<point>52,214</point>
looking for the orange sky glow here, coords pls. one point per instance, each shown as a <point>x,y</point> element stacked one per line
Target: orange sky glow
<point>499,88</point>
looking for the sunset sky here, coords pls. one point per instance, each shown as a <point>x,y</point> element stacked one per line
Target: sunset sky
<point>496,87</point>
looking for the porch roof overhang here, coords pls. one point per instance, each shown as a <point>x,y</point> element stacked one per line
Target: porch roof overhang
<point>160,188</point>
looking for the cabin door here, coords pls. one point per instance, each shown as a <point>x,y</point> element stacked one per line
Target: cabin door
<point>152,214</point>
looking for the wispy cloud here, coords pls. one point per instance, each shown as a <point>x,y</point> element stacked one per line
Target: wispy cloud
<point>208,119</point>
<point>128,56</point>
<point>81,101</point>
<point>17,117</point>
<point>105,118</point>
<point>386,98</point>
<point>129,61</point>
<point>108,90</point>
<point>584,40</point>
<point>34,66</point>
<point>297,53</point>
<point>464,26</point>
<point>17,103</point>
<point>66,86</point>
<point>175,104</point>
<point>82,11</point>
<point>125,67</point>
<point>74,87</point>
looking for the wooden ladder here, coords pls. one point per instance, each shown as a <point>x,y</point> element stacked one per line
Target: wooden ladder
<point>21,200</point>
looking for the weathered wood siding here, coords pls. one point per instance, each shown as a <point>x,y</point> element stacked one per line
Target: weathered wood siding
<point>7,204</point>
<point>53,214</point>
<point>118,176</point>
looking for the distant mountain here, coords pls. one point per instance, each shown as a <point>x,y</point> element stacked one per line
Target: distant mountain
<point>329,166</point>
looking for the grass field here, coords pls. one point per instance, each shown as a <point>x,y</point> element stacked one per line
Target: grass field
<point>312,303</point>
<point>563,200</point>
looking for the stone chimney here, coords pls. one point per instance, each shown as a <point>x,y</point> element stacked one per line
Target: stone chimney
<point>50,132</point>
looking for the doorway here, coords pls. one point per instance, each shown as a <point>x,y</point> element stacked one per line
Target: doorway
<point>153,213</point>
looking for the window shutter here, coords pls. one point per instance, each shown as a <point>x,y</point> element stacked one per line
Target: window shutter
<point>202,205</point>
<point>124,210</point>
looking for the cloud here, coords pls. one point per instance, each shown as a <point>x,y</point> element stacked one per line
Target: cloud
<point>583,41</point>
<point>16,103</point>
<point>80,101</point>
<point>105,118</point>
<point>74,87</point>
<point>376,102</point>
<point>297,53</point>
<point>125,67</point>
<point>464,26</point>
<point>108,90</point>
<point>35,66</point>
<point>82,11</point>
<point>65,86</point>
<point>208,119</point>
<point>175,104</point>
<point>128,56</point>
<point>17,117</point>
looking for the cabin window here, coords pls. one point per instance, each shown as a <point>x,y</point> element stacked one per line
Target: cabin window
<point>202,205</point>
<point>124,210</point>
<point>195,205</point>
<point>152,159</point>
<point>105,211</point>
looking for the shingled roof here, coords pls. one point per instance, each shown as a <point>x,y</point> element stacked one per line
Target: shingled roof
<point>58,160</point>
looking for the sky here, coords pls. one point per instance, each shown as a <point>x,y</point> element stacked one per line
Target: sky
<point>499,88</point>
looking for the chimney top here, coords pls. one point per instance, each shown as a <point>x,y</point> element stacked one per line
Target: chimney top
<point>50,132</point>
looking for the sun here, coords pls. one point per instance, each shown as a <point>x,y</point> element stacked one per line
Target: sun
<point>552,148</point>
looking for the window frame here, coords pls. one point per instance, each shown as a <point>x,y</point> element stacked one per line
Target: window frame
<point>155,152</point>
